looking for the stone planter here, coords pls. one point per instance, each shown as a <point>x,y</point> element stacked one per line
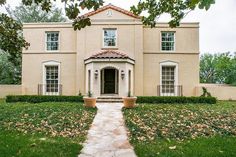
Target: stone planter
<point>129,102</point>
<point>89,101</point>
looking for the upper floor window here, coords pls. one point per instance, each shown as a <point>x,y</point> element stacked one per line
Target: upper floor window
<point>109,38</point>
<point>52,42</point>
<point>168,41</point>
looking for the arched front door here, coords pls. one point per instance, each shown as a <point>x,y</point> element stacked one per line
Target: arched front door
<point>109,81</point>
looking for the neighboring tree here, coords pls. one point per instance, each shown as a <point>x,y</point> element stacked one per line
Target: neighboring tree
<point>177,9</point>
<point>12,41</point>
<point>218,68</point>
<point>231,79</point>
<point>207,68</point>
<point>9,74</point>
<point>34,13</point>
<point>11,45</point>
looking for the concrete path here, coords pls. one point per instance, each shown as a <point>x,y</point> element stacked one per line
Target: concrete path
<point>108,137</point>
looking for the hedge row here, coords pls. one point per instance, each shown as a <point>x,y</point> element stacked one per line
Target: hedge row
<point>39,99</point>
<point>174,99</point>
<point>140,99</point>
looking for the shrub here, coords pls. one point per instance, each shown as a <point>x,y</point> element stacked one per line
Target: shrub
<point>205,92</point>
<point>39,99</point>
<point>175,99</point>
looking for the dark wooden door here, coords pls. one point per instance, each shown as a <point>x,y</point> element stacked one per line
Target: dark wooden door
<point>109,81</point>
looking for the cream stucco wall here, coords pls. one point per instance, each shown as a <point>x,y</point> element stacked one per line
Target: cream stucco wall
<point>137,41</point>
<point>188,72</point>
<point>32,72</point>
<point>129,41</point>
<point>35,34</point>
<point>9,90</point>
<point>221,92</point>
<point>186,38</point>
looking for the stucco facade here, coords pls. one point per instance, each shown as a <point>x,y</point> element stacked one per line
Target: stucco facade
<point>137,59</point>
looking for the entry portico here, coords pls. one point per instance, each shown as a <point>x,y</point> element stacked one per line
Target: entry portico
<point>109,72</point>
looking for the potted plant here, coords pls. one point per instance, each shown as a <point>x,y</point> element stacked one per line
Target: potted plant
<point>129,101</point>
<point>89,101</point>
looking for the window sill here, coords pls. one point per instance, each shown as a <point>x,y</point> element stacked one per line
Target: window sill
<point>109,48</point>
<point>56,51</point>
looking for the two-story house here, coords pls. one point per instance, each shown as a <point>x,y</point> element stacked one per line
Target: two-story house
<point>113,56</point>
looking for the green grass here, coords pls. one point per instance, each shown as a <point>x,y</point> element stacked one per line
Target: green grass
<point>45,129</point>
<point>183,130</point>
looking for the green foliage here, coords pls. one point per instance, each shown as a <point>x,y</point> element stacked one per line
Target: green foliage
<point>216,146</point>
<point>40,99</point>
<point>175,99</point>
<point>218,68</point>
<point>11,41</point>
<point>9,74</point>
<point>90,94</point>
<point>80,94</point>
<point>176,9</point>
<point>182,130</point>
<point>45,129</point>
<point>11,45</point>
<point>205,92</point>
<point>27,145</point>
<point>129,94</point>
<point>34,13</point>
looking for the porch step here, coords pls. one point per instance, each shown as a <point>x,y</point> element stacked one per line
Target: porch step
<point>109,99</point>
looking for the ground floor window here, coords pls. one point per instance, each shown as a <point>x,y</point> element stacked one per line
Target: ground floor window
<point>168,79</point>
<point>52,79</point>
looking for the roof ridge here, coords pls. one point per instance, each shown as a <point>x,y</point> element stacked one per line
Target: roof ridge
<point>111,6</point>
<point>109,54</point>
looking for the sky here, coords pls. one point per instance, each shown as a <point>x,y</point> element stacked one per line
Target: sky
<point>217,25</point>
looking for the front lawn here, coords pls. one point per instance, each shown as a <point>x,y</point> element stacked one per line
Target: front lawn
<point>44,129</point>
<point>183,130</point>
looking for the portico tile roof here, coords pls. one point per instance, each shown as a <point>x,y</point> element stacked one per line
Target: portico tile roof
<point>110,6</point>
<point>109,54</point>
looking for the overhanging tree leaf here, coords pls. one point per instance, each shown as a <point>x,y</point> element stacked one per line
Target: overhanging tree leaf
<point>177,9</point>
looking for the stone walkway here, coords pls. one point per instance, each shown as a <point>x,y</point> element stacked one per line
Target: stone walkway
<point>107,136</point>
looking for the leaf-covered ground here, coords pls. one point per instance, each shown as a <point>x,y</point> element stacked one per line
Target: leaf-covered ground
<point>45,129</point>
<point>183,130</point>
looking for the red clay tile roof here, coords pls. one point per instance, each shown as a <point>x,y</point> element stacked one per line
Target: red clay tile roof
<point>110,6</point>
<point>109,54</point>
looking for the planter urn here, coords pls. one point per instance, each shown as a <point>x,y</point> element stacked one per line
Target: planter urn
<point>129,102</point>
<point>90,101</point>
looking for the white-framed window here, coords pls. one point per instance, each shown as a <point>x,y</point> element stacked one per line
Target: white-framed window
<point>168,78</point>
<point>167,41</point>
<point>51,78</point>
<point>110,37</point>
<point>52,41</point>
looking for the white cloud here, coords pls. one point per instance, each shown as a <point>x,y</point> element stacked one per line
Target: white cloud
<point>217,25</point>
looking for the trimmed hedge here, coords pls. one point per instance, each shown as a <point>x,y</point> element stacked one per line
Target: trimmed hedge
<point>39,99</point>
<point>175,99</point>
<point>140,99</point>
